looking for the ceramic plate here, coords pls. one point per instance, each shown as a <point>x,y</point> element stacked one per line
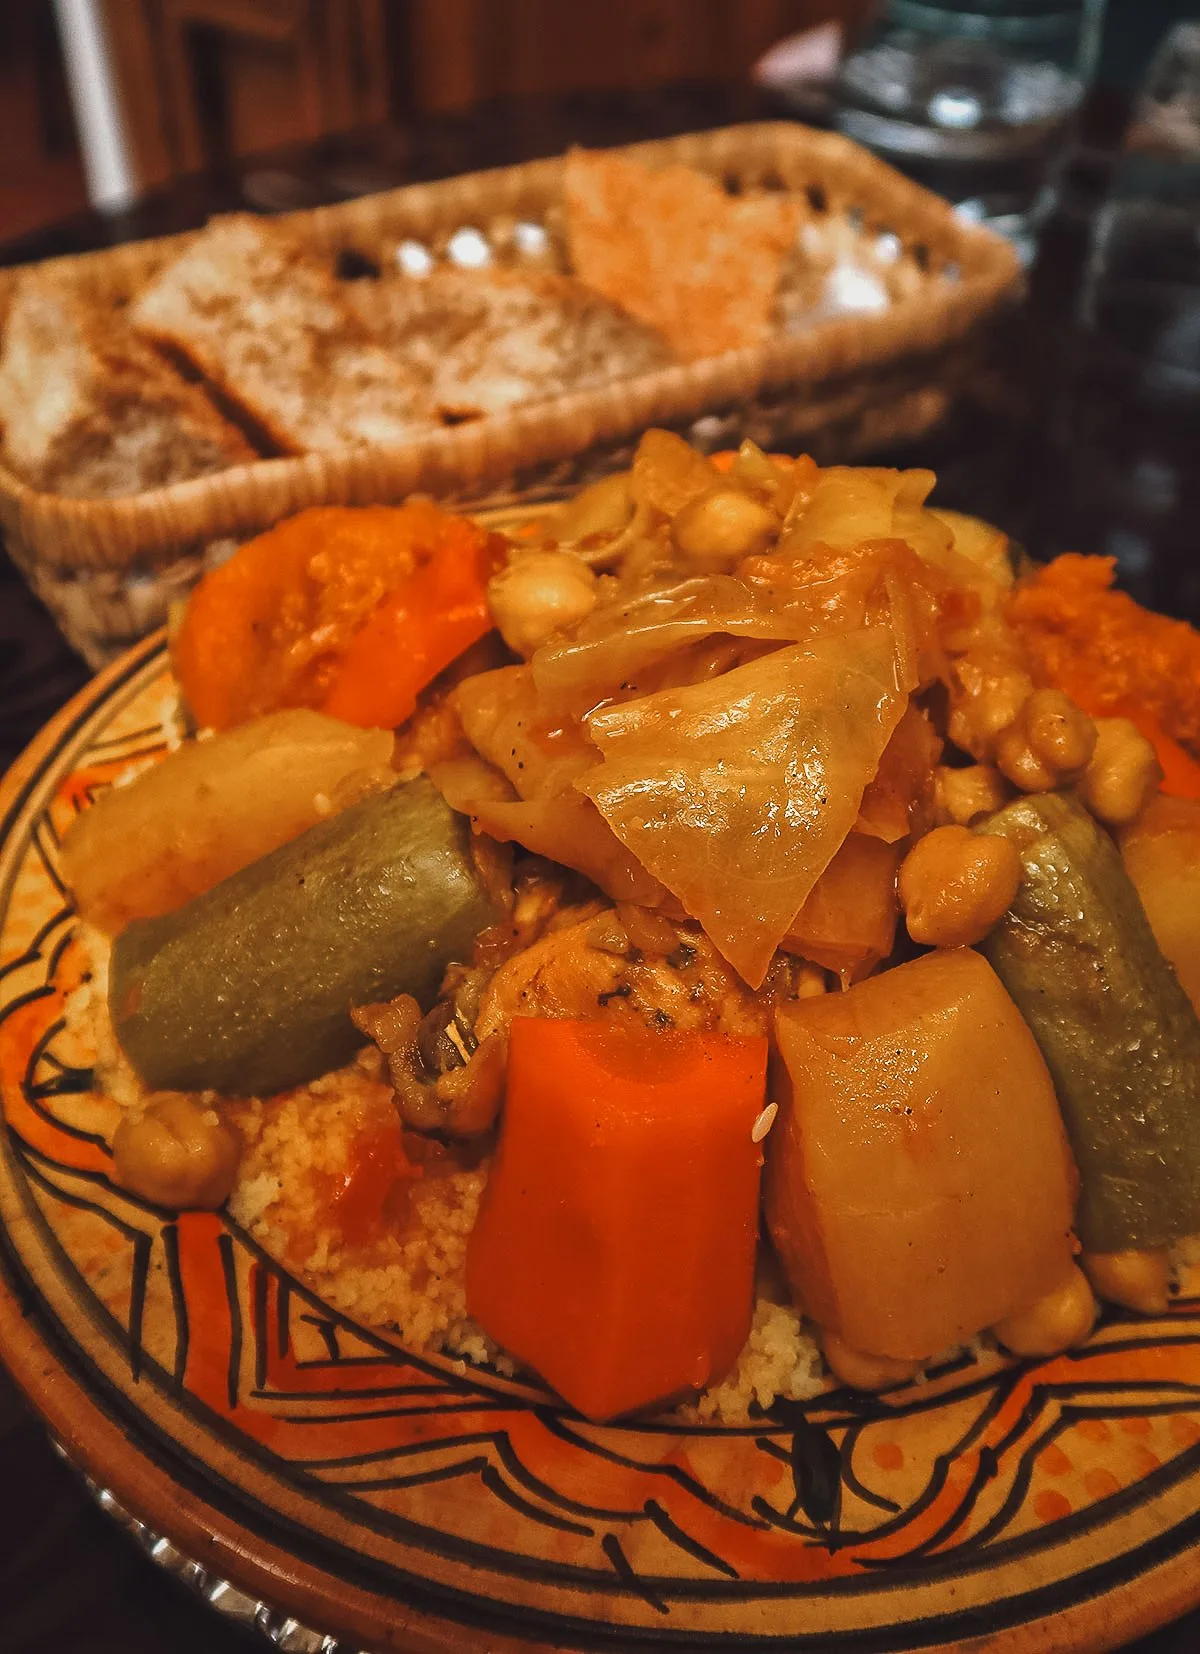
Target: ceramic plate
<point>406,1501</point>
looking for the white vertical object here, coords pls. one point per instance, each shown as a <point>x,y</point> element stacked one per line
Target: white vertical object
<point>107,162</point>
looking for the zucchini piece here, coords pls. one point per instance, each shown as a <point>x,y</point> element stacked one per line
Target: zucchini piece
<point>247,988</point>
<point>1118,1033</point>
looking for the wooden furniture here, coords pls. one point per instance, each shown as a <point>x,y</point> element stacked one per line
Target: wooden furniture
<point>41,175</point>
<point>205,81</point>
<point>202,82</point>
<point>465,51</point>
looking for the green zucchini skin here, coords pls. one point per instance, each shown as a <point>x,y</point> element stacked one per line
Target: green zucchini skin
<point>247,989</point>
<point>1118,1033</point>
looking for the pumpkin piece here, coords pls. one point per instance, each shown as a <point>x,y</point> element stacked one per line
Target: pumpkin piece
<point>1161,851</point>
<point>415,632</point>
<point>919,1186</point>
<point>269,628</point>
<point>614,1248</point>
<point>1111,656</point>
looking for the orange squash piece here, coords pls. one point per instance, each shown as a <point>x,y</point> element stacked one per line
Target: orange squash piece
<point>270,627</point>
<point>614,1248</point>
<point>414,633</point>
<point>919,1186</point>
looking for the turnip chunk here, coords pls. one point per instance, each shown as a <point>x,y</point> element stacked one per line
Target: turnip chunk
<point>919,1186</point>
<point>213,807</point>
<point>1162,857</point>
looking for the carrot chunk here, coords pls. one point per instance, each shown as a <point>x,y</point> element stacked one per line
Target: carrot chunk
<point>614,1248</point>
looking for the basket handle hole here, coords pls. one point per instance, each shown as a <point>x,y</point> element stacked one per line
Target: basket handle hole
<point>353,265</point>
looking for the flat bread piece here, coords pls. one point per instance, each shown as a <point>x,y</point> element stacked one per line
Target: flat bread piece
<point>263,318</point>
<point>488,340</point>
<point>674,249</point>
<point>89,410</point>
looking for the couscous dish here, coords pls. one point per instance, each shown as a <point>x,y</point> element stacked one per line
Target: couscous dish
<point>739,936</point>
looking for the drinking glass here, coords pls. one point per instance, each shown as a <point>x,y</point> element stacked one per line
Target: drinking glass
<point>974,98</point>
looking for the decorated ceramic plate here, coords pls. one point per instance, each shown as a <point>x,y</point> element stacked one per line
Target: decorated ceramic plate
<point>416,1502</point>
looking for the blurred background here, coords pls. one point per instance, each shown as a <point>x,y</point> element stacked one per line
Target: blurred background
<point>138,94</point>
<point>201,83</point>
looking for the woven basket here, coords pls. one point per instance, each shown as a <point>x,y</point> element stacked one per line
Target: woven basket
<point>108,569</point>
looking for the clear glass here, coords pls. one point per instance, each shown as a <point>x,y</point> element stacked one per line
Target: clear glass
<point>1126,429</point>
<point>975,98</point>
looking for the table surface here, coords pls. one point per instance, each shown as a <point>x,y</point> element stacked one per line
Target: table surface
<point>1028,450</point>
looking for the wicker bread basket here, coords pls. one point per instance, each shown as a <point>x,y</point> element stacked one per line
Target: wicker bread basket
<point>108,568</point>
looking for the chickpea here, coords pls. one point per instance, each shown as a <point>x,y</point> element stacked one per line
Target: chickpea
<point>539,594</point>
<point>1055,1322</point>
<point>1050,742</point>
<point>1138,1280</point>
<point>862,1371</point>
<point>722,526</point>
<point>988,693</point>
<point>177,1153</point>
<point>962,796</point>
<point>954,885</point>
<point>1122,775</point>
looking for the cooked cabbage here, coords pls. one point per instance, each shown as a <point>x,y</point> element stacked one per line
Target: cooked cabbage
<point>736,794</point>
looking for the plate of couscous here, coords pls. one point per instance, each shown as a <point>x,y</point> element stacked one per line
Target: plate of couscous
<point>624,1074</point>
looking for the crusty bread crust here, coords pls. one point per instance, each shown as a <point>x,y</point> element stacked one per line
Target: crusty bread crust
<point>262,318</point>
<point>89,410</point>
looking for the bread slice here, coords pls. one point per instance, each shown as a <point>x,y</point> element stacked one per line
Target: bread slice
<point>674,248</point>
<point>89,410</point>
<point>487,340</point>
<point>263,318</point>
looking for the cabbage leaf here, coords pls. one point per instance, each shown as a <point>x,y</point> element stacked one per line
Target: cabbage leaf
<point>737,793</point>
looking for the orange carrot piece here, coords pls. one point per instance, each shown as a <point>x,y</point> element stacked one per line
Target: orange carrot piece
<point>415,633</point>
<point>614,1248</point>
